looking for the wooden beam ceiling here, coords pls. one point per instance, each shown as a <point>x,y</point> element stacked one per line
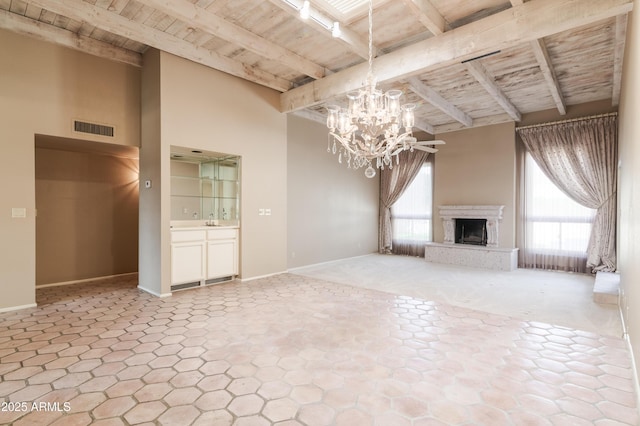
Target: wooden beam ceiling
<point>528,22</point>
<point>206,21</point>
<point>49,33</point>
<point>116,24</point>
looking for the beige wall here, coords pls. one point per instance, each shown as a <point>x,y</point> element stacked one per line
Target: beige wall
<point>332,210</point>
<point>477,166</point>
<point>43,87</point>
<point>629,186</point>
<point>213,111</point>
<point>87,223</point>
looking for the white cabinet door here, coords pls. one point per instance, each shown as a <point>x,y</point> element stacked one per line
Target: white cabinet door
<point>188,262</point>
<point>222,258</point>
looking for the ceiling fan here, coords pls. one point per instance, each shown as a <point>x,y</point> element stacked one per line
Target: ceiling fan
<point>424,145</point>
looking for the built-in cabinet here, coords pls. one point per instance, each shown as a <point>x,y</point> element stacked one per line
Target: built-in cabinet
<point>202,256</point>
<point>205,217</point>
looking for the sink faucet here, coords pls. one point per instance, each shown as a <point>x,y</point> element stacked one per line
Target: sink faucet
<point>210,222</point>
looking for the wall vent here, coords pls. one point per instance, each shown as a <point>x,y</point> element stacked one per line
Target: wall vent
<point>93,128</point>
<point>185,285</point>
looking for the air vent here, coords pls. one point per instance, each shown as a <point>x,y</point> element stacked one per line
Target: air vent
<point>93,128</point>
<point>185,285</point>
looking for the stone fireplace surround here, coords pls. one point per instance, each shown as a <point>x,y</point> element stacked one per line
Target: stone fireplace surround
<point>490,256</point>
<point>492,214</point>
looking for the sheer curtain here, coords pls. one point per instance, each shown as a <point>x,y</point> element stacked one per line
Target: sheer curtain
<point>580,158</point>
<point>393,183</point>
<point>411,219</point>
<point>555,228</point>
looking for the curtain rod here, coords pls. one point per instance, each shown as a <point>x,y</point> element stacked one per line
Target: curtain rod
<point>548,123</point>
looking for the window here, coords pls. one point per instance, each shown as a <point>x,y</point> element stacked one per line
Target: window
<point>411,214</point>
<point>557,229</point>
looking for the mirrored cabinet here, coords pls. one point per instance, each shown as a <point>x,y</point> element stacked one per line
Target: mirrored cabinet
<point>205,186</point>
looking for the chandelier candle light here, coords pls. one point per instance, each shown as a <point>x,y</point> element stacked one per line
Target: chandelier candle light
<point>369,128</point>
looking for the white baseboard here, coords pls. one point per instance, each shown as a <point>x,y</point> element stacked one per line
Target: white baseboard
<point>17,308</point>
<point>106,277</point>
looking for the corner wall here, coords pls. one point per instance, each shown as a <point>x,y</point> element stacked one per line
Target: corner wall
<point>332,210</point>
<point>629,186</point>
<point>43,87</point>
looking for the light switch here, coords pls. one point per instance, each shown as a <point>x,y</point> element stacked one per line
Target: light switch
<point>18,212</point>
<point>260,212</point>
<point>267,212</point>
<point>147,184</point>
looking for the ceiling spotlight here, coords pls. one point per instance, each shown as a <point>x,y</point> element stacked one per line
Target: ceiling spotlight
<point>305,9</point>
<point>335,30</point>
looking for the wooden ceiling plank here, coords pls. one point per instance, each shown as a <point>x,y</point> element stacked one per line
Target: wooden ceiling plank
<point>618,57</point>
<point>531,21</point>
<point>119,25</point>
<point>33,12</point>
<point>49,33</point>
<point>544,61</point>
<point>428,15</point>
<point>480,73</point>
<point>213,24</point>
<point>434,98</point>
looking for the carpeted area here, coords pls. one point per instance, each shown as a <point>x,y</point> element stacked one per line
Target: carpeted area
<point>559,298</point>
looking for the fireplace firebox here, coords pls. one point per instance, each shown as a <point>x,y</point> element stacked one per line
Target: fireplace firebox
<point>471,231</point>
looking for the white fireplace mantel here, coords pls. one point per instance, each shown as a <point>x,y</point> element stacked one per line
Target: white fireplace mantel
<point>492,214</point>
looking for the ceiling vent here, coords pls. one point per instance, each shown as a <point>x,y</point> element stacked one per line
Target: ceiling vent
<point>93,128</point>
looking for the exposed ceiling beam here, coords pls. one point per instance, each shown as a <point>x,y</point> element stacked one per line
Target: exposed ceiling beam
<point>618,56</point>
<point>423,125</point>
<point>542,56</point>
<point>480,73</point>
<point>546,66</point>
<point>206,21</point>
<point>312,115</point>
<point>319,21</point>
<point>434,98</point>
<point>49,33</point>
<point>116,24</point>
<point>428,15</point>
<point>531,21</point>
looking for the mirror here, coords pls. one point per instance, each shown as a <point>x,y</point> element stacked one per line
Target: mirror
<point>205,186</point>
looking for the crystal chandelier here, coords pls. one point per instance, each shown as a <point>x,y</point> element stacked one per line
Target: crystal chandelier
<point>368,130</point>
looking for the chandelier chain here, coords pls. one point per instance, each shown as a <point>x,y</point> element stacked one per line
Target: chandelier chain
<point>370,73</point>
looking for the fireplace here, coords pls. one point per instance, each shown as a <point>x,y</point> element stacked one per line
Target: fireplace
<point>480,224</point>
<point>471,239</point>
<point>471,231</point>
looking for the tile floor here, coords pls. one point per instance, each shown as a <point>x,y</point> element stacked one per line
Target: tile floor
<point>293,350</point>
